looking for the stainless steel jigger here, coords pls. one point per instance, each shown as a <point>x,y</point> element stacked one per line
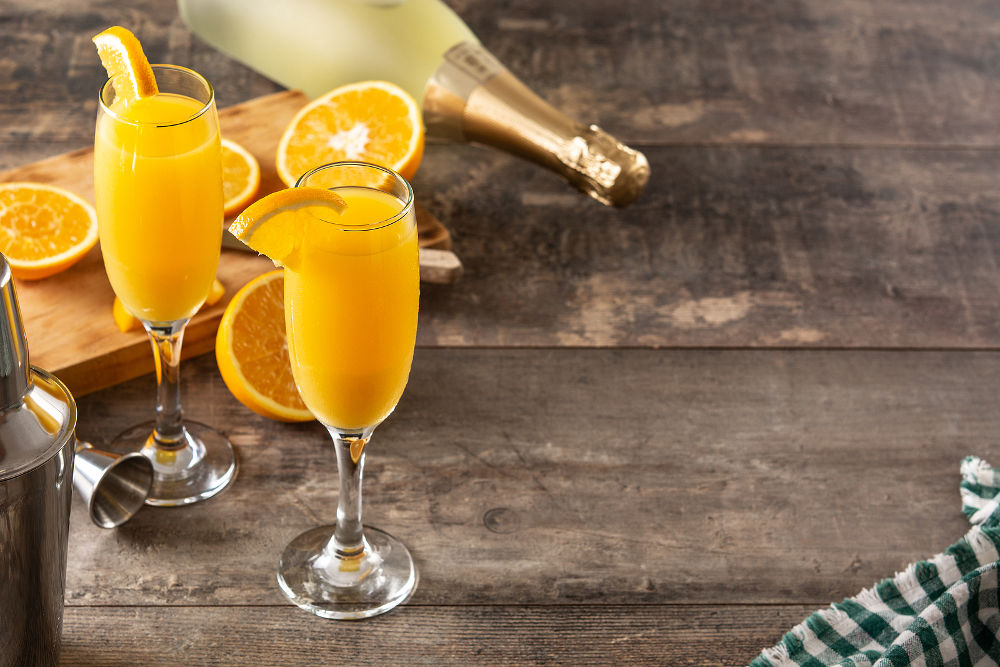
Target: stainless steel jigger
<point>113,486</point>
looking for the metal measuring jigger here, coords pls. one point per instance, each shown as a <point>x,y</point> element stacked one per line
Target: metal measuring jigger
<point>112,486</point>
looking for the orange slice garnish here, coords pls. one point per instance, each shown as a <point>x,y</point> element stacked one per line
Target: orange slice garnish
<point>123,58</point>
<point>270,225</point>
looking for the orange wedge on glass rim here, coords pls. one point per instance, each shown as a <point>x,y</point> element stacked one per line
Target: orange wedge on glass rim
<point>252,351</point>
<point>122,56</point>
<point>368,121</point>
<point>272,225</point>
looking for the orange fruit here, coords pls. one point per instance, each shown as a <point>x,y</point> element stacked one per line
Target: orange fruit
<point>240,177</point>
<point>369,121</point>
<point>215,293</point>
<point>252,351</point>
<point>122,56</point>
<point>44,229</point>
<point>270,225</point>
<point>126,321</point>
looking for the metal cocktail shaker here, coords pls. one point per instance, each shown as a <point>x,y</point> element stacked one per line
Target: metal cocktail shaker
<point>37,441</point>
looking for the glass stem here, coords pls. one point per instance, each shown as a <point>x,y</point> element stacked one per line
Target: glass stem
<point>348,536</point>
<point>166,340</point>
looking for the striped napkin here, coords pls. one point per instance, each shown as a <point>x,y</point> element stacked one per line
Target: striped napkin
<point>942,611</point>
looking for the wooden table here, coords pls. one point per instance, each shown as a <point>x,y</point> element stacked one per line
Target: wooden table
<point>656,435</point>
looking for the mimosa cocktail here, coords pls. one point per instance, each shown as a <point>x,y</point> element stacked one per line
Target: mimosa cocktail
<point>351,298</point>
<point>158,187</point>
<point>157,176</point>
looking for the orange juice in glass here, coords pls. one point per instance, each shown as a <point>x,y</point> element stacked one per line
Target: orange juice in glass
<point>351,300</point>
<point>157,173</point>
<point>158,188</point>
<point>352,375</point>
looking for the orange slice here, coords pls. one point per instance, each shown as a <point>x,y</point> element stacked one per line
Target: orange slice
<point>44,229</point>
<point>240,177</point>
<point>122,56</point>
<point>369,121</point>
<point>270,225</point>
<point>252,351</point>
<point>126,321</point>
<point>215,293</point>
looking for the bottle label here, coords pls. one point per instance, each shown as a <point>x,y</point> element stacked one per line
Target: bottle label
<point>465,67</point>
<point>468,65</point>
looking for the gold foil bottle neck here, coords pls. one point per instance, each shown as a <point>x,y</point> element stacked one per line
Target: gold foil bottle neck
<point>603,167</point>
<point>473,97</point>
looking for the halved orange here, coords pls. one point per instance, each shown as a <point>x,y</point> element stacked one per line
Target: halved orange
<point>252,351</point>
<point>126,321</point>
<point>122,56</point>
<point>368,121</point>
<point>44,229</point>
<point>240,177</point>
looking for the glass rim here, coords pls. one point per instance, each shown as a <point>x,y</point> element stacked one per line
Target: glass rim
<point>380,224</point>
<point>138,123</point>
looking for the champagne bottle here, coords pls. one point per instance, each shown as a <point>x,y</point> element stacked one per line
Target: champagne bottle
<point>466,94</point>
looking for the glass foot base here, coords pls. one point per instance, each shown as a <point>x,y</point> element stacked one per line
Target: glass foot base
<point>203,467</point>
<point>333,588</point>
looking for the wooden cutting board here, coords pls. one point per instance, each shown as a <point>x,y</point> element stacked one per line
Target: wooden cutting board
<point>68,318</point>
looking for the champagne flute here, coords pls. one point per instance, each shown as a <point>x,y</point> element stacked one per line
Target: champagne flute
<point>158,188</point>
<point>351,296</point>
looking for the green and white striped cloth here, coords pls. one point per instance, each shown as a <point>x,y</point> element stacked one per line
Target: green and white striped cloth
<point>942,611</point>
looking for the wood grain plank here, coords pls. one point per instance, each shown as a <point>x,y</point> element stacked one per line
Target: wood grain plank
<point>790,72</point>
<point>420,635</point>
<point>729,246</point>
<point>583,476</point>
